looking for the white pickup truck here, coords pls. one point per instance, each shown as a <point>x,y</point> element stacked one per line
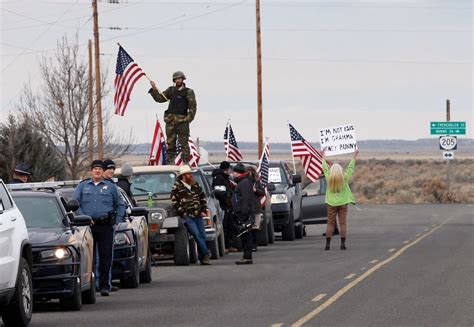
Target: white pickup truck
<point>16,260</point>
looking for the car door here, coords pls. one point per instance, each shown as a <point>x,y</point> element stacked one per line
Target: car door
<point>294,192</point>
<point>314,206</point>
<point>9,245</point>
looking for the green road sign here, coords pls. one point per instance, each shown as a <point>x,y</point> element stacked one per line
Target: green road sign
<point>448,127</point>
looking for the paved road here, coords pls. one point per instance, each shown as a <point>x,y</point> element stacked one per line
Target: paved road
<point>405,266</point>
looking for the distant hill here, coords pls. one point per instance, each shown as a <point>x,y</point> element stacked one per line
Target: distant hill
<point>421,145</point>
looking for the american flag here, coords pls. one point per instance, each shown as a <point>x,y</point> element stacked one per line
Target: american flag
<point>128,73</point>
<point>230,145</point>
<point>264,165</point>
<point>311,158</point>
<point>158,147</point>
<point>263,168</point>
<point>194,157</point>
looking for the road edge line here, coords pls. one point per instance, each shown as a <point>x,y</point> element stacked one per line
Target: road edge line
<point>359,279</point>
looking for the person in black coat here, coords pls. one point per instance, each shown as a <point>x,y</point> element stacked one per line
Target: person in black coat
<point>243,205</point>
<point>222,187</point>
<point>259,192</point>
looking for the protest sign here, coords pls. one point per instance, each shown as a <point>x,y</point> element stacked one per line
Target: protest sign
<point>338,140</point>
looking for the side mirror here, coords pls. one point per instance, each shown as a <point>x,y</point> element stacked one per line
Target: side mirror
<point>138,212</point>
<point>297,179</point>
<point>81,220</point>
<point>73,205</point>
<point>271,187</point>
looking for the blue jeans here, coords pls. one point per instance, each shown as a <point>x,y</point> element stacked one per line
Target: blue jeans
<point>195,226</point>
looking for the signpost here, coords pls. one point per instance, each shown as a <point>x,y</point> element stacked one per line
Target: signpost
<point>448,155</point>
<point>448,142</point>
<point>448,128</point>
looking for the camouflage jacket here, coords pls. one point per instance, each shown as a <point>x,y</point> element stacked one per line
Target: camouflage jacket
<point>188,202</point>
<point>168,93</point>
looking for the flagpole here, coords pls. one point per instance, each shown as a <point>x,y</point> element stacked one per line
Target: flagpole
<point>164,96</point>
<point>291,144</point>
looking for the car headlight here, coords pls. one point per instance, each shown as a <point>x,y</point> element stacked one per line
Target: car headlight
<point>56,254</point>
<point>156,216</point>
<point>279,198</point>
<point>121,239</point>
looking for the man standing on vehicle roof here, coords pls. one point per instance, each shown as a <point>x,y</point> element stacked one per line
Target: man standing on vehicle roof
<point>222,187</point>
<point>21,173</point>
<point>99,198</point>
<point>190,202</point>
<point>181,111</point>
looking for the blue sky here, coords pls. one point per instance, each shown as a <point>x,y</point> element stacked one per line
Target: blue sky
<point>385,66</point>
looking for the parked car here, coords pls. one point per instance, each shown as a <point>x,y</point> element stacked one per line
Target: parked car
<point>168,236</point>
<point>314,204</point>
<point>16,264</point>
<point>132,257</point>
<point>266,234</point>
<point>62,246</point>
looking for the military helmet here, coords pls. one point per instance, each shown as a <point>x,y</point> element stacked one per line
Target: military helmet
<point>178,74</point>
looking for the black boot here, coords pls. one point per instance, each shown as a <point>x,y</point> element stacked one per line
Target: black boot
<point>328,243</point>
<point>343,243</point>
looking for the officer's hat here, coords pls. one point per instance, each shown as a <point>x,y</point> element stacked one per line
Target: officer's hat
<point>109,164</point>
<point>22,169</point>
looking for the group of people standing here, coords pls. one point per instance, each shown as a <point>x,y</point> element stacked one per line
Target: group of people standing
<point>239,192</point>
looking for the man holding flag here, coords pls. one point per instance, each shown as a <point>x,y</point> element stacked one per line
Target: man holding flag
<point>180,113</point>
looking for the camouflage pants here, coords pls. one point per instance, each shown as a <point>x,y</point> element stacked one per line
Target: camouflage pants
<point>180,132</point>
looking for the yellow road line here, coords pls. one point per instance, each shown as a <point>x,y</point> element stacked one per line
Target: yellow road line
<point>319,297</point>
<point>277,325</point>
<point>359,279</point>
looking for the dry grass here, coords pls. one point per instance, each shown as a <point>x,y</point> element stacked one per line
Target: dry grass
<point>413,181</point>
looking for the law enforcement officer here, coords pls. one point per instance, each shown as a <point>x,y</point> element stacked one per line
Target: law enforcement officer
<point>21,173</point>
<point>109,169</point>
<point>181,111</point>
<point>99,198</point>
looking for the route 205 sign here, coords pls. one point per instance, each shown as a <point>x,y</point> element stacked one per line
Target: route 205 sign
<point>448,142</point>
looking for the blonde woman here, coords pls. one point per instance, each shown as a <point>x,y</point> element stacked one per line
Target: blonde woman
<point>338,196</point>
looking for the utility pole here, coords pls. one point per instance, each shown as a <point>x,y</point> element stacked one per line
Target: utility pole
<point>98,93</point>
<point>259,81</point>
<point>448,118</point>
<point>91,106</point>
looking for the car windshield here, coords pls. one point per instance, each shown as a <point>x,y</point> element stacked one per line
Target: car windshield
<point>157,182</point>
<point>40,212</point>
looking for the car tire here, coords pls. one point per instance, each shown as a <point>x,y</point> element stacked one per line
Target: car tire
<point>271,231</point>
<point>214,248</point>
<point>262,234</point>
<point>133,281</point>
<point>181,247</point>
<point>288,231</point>
<point>299,231</point>
<point>193,253</point>
<point>146,275</point>
<point>73,302</point>
<point>89,296</point>
<point>20,309</point>
<point>222,244</point>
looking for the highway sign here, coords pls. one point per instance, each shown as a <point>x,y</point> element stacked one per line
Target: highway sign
<point>448,127</point>
<point>448,155</point>
<point>448,142</point>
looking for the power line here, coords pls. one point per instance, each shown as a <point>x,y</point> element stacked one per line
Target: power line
<point>37,38</point>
